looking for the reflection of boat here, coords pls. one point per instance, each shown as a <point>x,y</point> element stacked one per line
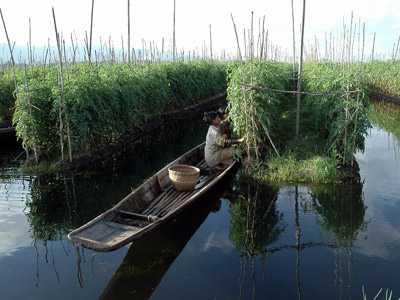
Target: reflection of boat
<point>150,256</point>
<point>152,204</point>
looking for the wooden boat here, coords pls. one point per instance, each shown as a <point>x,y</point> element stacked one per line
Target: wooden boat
<point>151,205</point>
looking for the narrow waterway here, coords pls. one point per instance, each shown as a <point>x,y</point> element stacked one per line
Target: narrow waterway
<point>247,241</point>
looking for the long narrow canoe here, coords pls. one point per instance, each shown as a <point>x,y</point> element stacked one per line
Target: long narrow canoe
<point>151,205</point>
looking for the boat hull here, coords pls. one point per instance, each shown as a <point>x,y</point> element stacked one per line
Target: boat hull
<point>150,206</point>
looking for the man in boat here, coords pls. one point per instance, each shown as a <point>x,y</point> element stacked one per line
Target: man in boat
<point>218,148</point>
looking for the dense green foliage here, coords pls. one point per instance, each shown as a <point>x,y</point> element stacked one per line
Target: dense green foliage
<point>267,105</point>
<point>7,100</point>
<point>102,102</point>
<point>383,76</point>
<point>332,125</point>
<point>340,118</point>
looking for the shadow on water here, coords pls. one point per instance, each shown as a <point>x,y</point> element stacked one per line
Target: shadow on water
<point>258,229</point>
<point>150,257</point>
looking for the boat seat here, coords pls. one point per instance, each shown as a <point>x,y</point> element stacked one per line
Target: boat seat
<point>136,216</point>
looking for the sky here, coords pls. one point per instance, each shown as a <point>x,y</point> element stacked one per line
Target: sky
<point>152,21</point>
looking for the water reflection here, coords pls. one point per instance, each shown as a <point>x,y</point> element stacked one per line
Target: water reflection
<point>258,229</point>
<point>255,224</point>
<point>341,213</point>
<point>150,257</point>
<point>341,209</point>
<point>36,212</point>
<point>321,242</point>
<point>386,116</point>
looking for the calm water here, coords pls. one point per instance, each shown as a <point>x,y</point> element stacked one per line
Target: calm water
<point>244,241</point>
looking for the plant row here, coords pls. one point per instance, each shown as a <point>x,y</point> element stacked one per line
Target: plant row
<point>334,123</point>
<point>339,117</point>
<point>96,104</point>
<point>383,76</point>
<point>257,110</point>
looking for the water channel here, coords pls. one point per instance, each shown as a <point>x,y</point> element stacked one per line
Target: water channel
<point>246,241</point>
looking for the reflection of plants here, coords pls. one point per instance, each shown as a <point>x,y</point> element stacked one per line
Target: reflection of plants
<point>49,210</point>
<point>255,223</point>
<point>386,116</point>
<point>342,210</point>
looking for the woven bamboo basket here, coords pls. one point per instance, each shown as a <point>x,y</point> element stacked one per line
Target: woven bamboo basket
<point>183,177</point>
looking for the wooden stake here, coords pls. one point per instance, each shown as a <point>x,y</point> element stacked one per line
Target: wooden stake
<point>358,95</point>
<point>173,36</point>
<point>30,114</point>
<point>397,48</point>
<point>262,43</point>
<point>243,88</point>
<point>252,111</point>
<point>129,32</point>
<point>294,49</point>
<point>30,48</point>
<point>300,71</point>
<point>91,32</point>
<point>211,53</point>
<point>63,94</point>
<point>348,85</point>
<point>373,47</point>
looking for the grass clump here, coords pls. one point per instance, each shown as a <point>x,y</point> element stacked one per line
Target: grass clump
<point>316,169</point>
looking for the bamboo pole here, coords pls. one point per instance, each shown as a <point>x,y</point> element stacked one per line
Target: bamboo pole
<point>66,61</point>
<point>129,32</point>
<point>397,49</point>
<point>245,43</point>
<point>294,48</point>
<point>162,49</point>
<point>91,33</point>
<point>262,43</point>
<point>300,71</point>
<point>252,111</point>
<point>30,48</point>
<point>173,35</point>
<point>211,52</point>
<point>63,95</point>
<point>358,95</point>
<point>243,88</point>
<point>266,46</point>
<point>373,47</point>
<point>30,114</point>
<point>349,43</point>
